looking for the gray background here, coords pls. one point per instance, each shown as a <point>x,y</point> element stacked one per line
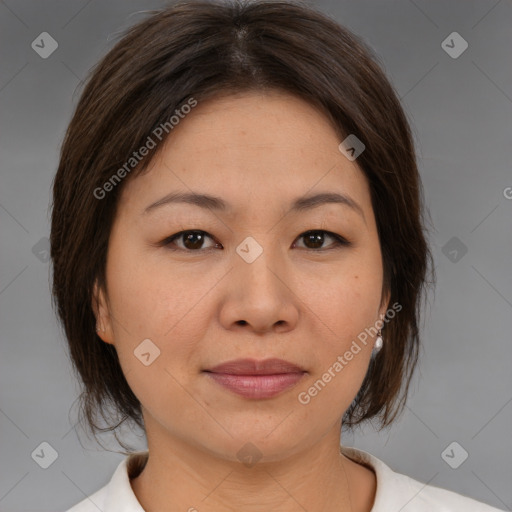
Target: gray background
<point>461,112</point>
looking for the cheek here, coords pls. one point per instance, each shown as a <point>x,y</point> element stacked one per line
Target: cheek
<point>151,296</point>
<point>163,303</point>
<point>346,301</point>
<point>345,308</point>
<point>160,304</point>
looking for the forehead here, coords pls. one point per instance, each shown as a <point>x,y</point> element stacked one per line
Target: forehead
<point>247,148</point>
<point>254,120</point>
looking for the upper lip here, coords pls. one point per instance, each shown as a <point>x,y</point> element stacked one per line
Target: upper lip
<point>254,367</point>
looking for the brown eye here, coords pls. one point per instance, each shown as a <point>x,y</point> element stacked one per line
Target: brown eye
<point>314,239</point>
<point>191,240</point>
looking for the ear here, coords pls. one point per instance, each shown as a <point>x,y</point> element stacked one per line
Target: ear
<point>102,314</point>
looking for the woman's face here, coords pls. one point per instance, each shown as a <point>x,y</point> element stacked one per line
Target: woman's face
<point>254,285</point>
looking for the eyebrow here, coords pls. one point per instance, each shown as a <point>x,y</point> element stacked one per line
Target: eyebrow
<point>300,204</point>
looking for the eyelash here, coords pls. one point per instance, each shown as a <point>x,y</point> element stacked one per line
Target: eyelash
<point>339,241</point>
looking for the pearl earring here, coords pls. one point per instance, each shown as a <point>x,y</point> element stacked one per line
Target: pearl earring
<point>378,342</point>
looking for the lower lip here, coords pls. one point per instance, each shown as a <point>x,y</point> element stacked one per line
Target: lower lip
<point>257,386</point>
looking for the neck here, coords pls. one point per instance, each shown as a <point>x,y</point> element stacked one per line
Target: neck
<point>179,476</point>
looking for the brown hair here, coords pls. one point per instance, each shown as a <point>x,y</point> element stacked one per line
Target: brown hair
<point>203,49</point>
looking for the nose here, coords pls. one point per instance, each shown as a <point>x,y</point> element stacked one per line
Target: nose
<point>260,296</point>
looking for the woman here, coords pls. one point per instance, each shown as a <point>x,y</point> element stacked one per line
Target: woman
<point>239,260</point>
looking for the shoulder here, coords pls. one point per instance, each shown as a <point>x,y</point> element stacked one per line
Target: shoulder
<point>421,497</point>
<point>396,491</point>
<point>118,493</point>
<point>92,503</point>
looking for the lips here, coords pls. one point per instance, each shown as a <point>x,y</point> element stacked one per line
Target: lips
<point>254,367</point>
<point>256,380</point>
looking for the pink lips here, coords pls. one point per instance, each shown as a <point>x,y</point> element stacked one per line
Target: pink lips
<point>256,379</point>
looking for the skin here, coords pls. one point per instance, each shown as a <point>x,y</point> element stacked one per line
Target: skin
<point>206,305</point>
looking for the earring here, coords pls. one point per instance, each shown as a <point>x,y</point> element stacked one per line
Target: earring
<point>98,329</point>
<point>378,342</point>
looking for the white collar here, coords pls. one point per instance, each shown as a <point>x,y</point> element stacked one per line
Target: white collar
<point>395,491</point>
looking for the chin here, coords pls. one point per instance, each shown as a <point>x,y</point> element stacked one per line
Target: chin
<point>257,441</point>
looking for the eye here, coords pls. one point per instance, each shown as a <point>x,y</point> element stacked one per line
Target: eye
<point>314,239</point>
<point>193,240</point>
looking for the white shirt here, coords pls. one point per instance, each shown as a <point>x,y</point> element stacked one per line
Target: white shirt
<point>395,492</point>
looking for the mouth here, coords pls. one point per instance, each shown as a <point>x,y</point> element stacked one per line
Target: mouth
<point>254,367</point>
<point>254,379</point>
